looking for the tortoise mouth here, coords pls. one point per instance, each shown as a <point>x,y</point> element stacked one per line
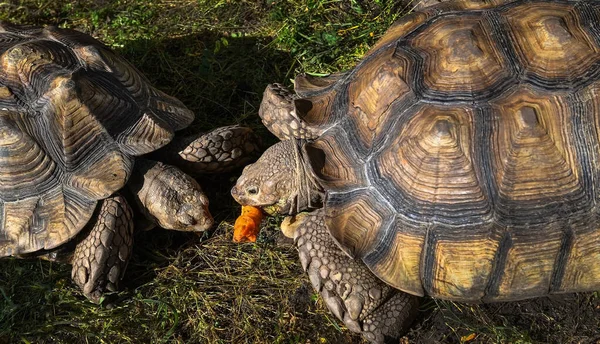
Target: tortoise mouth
<point>275,209</point>
<point>270,208</point>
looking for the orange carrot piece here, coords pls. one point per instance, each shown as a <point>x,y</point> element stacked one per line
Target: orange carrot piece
<point>247,225</point>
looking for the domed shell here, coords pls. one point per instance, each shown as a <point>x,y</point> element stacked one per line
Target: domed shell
<point>73,115</point>
<point>462,151</point>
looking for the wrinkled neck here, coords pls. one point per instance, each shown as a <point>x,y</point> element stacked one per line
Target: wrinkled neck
<point>309,193</point>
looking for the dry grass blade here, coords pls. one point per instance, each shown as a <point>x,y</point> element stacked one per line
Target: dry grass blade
<point>217,57</point>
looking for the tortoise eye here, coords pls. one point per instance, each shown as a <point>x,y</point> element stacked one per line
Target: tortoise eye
<point>253,190</point>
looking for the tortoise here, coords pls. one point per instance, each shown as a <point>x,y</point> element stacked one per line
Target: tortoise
<point>457,160</point>
<point>74,120</point>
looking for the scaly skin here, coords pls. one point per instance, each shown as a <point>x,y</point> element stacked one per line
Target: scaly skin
<point>269,183</point>
<point>100,259</point>
<point>220,150</point>
<point>350,290</point>
<point>281,112</point>
<point>170,197</point>
<point>113,116</point>
<point>166,195</point>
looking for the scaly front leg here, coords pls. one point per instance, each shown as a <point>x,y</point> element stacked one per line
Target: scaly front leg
<point>351,291</point>
<point>100,259</point>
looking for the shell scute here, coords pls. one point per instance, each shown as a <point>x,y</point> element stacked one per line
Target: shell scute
<point>460,264</point>
<point>25,168</point>
<point>580,269</point>
<point>430,167</point>
<point>528,272</point>
<point>377,94</point>
<point>557,49</point>
<point>479,184</point>
<point>30,67</point>
<point>355,222</point>
<point>400,260</point>
<point>306,85</point>
<point>341,169</point>
<point>533,157</point>
<point>72,116</point>
<point>42,222</point>
<point>462,58</point>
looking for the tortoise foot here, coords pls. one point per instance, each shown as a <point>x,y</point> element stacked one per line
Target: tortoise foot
<point>100,259</point>
<point>350,290</point>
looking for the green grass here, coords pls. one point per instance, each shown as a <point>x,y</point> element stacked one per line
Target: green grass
<point>217,56</point>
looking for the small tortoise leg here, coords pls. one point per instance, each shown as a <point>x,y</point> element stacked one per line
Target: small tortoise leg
<point>220,150</point>
<point>350,290</point>
<point>100,259</point>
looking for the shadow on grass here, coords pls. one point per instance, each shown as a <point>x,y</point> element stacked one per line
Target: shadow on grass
<point>564,318</point>
<point>221,79</point>
<point>180,287</point>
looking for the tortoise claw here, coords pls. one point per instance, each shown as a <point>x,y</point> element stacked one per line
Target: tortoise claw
<point>100,259</point>
<point>349,289</point>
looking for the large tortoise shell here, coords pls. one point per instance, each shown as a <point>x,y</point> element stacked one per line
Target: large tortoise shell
<point>462,152</point>
<point>72,117</point>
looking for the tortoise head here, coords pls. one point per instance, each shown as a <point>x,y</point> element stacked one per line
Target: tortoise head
<point>279,182</point>
<point>169,197</point>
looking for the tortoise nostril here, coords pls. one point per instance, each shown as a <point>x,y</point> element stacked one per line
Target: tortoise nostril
<point>186,219</point>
